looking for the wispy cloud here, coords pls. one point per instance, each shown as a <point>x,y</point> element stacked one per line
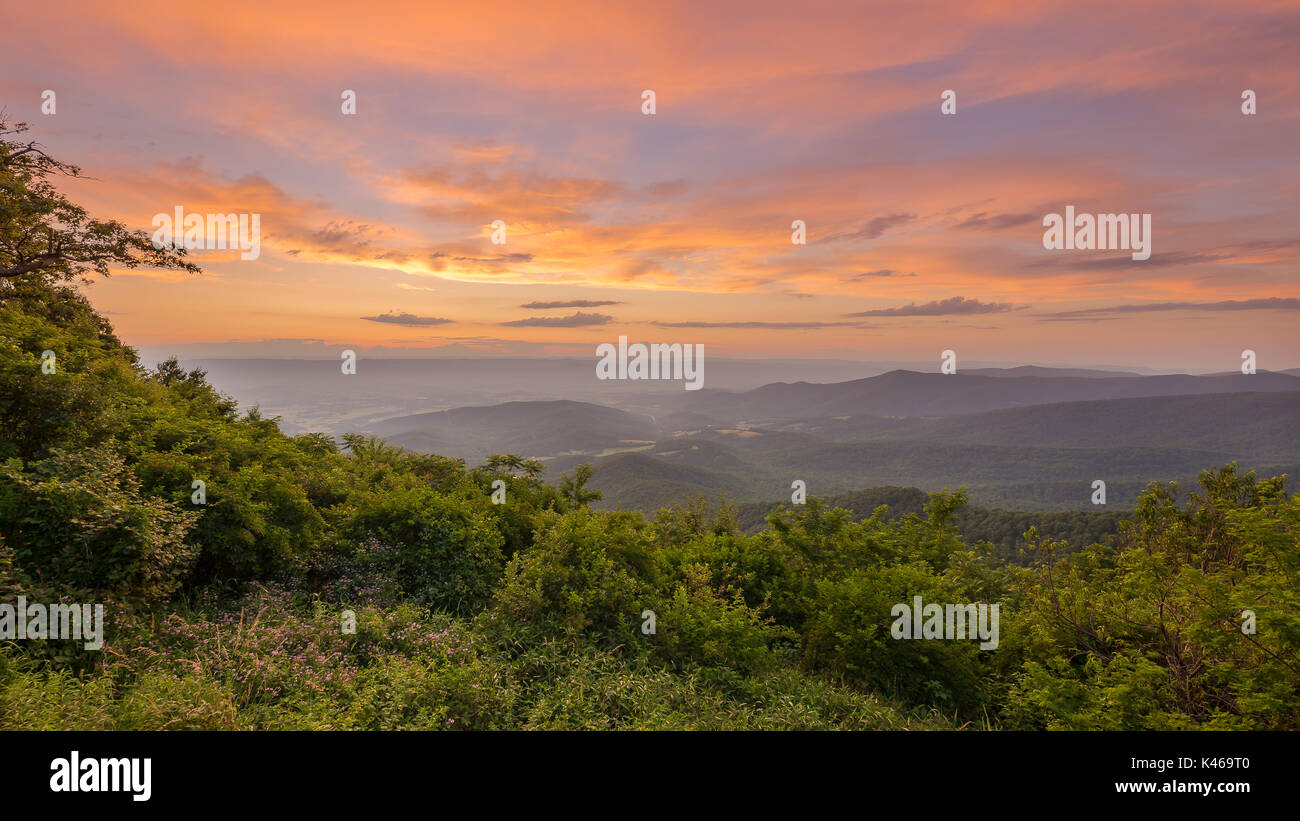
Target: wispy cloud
<point>441,259</point>
<point>1261,304</point>
<point>882,273</point>
<point>1159,259</point>
<point>942,307</point>
<point>572,303</point>
<point>409,320</point>
<point>691,209</point>
<point>773,326</point>
<point>873,229</point>
<point>994,222</point>
<point>578,320</point>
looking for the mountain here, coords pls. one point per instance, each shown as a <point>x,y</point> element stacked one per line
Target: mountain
<point>908,393</point>
<point>530,429</point>
<point>1027,478</point>
<point>1242,425</point>
<point>636,481</point>
<point>1031,456</point>
<point>314,395</point>
<point>1038,370</point>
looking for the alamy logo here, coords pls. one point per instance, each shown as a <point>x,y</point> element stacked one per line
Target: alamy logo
<point>210,232</point>
<point>1114,232</point>
<point>52,621</point>
<point>654,361</point>
<point>953,621</point>
<point>74,774</point>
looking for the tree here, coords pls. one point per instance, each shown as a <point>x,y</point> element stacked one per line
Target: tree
<point>1191,621</point>
<point>574,488</point>
<point>511,465</point>
<point>43,234</point>
<point>81,519</point>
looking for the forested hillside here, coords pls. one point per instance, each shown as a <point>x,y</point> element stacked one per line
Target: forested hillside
<point>252,579</point>
<point>908,393</point>
<point>530,613</point>
<point>1003,529</point>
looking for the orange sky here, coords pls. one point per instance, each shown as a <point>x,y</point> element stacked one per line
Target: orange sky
<point>924,230</point>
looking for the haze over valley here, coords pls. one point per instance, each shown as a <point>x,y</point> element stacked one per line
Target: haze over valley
<point>1026,438</point>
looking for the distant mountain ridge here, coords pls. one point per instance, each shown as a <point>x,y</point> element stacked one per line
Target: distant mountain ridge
<point>1039,370</point>
<point>530,429</point>
<point>1019,448</point>
<point>1263,424</point>
<point>909,393</point>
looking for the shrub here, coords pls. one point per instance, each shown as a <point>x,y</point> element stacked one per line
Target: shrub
<point>587,574</point>
<point>444,551</point>
<point>81,519</point>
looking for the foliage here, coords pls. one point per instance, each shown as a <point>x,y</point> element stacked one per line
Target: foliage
<point>44,235</point>
<point>226,610</point>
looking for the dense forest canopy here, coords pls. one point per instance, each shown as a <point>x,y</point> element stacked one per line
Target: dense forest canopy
<point>535,612</point>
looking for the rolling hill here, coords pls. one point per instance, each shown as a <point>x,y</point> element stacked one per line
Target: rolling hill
<point>542,429</point>
<point>908,393</point>
<point>1250,425</point>
<point>1028,452</point>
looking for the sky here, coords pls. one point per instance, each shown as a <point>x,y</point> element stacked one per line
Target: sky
<point>924,230</point>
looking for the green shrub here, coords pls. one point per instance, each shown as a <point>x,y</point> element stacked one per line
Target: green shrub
<point>587,575</point>
<point>699,625</point>
<point>81,519</point>
<point>445,551</point>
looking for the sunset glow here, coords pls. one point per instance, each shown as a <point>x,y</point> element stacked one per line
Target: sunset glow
<point>924,231</point>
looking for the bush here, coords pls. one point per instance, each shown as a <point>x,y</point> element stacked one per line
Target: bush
<point>81,519</point>
<point>444,551</point>
<point>699,625</point>
<point>849,633</point>
<point>587,575</point>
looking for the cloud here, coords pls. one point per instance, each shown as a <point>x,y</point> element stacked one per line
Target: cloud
<point>665,190</point>
<point>1261,304</point>
<point>943,307</point>
<point>572,303</point>
<point>777,326</point>
<point>439,260</point>
<point>578,320</point>
<point>410,320</point>
<point>494,346</point>
<point>483,153</point>
<point>874,228</point>
<point>344,236</point>
<point>701,208</point>
<point>1159,259</point>
<point>474,195</point>
<point>1052,318</point>
<point>881,273</point>
<point>995,222</point>
<point>315,349</point>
